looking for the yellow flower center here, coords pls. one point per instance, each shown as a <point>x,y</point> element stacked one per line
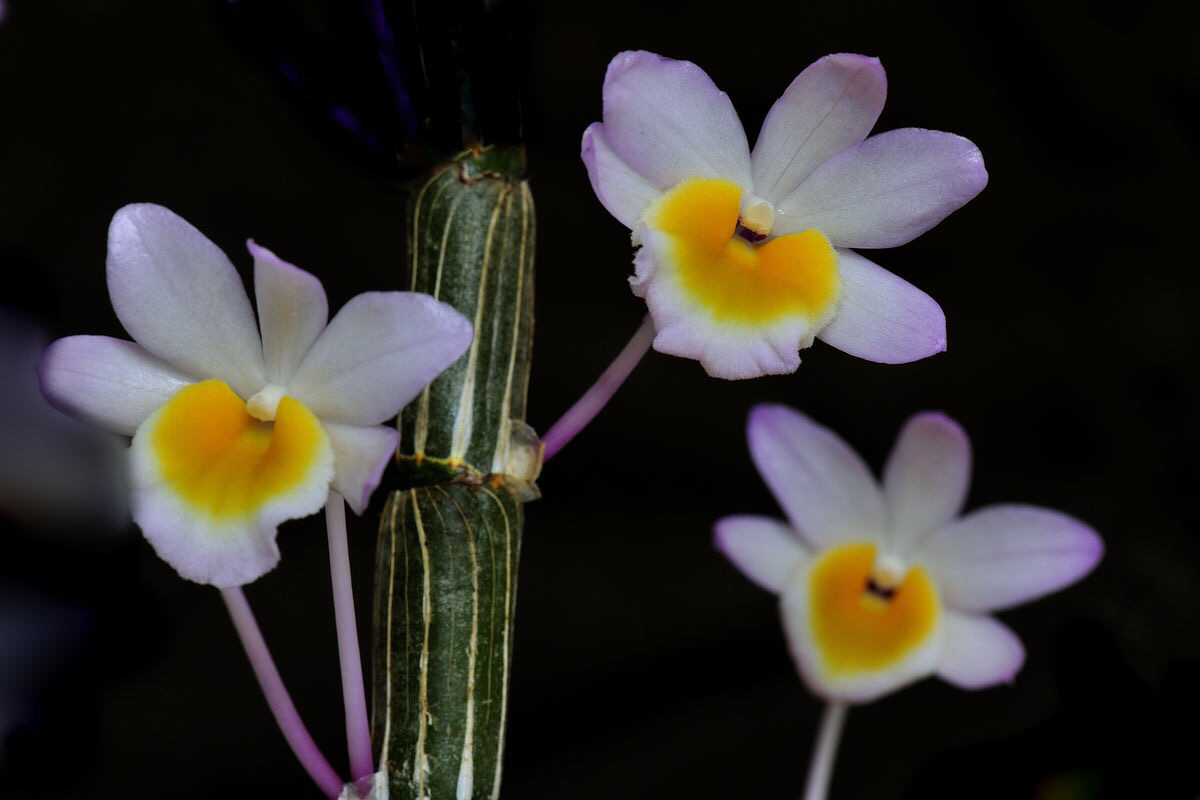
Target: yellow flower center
<point>226,464</point>
<point>734,280</point>
<point>866,616</point>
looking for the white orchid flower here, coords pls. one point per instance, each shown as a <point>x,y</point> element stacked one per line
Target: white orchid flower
<point>234,432</point>
<point>882,585</point>
<point>747,256</point>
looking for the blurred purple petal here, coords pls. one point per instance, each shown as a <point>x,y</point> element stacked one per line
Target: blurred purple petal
<point>1004,555</point>
<point>56,474</point>
<point>822,485</point>
<point>926,477</point>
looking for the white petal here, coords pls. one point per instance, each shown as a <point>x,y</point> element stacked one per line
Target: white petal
<point>210,554</point>
<point>1004,555</point>
<point>926,477</point>
<point>764,549</point>
<point>882,317</point>
<point>378,352</point>
<point>830,106</point>
<point>731,353</point>
<point>360,454</point>
<point>111,383</point>
<point>292,311</point>
<point>978,651</point>
<point>668,122</point>
<point>222,552</point>
<point>886,191</point>
<point>686,329</point>
<point>180,297</point>
<point>822,485</point>
<point>621,190</point>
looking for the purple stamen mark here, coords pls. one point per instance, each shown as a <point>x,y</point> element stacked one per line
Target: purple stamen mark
<point>750,236</point>
<point>882,592</point>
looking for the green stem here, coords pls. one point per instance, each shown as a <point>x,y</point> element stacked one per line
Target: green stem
<point>451,533</point>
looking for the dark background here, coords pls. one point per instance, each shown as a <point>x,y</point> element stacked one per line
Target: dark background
<point>645,665</point>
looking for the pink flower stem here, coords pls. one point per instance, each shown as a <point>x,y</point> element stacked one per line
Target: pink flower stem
<point>820,769</point>
<point>358,726</point>
<point>587,407</point>
<point>280,702</point>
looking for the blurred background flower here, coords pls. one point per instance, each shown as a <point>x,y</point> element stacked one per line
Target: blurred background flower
<point>37,635</point>
<point>61,486</point>
<point>56,475</point>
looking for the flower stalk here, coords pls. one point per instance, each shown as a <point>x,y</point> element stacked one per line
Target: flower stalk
<point>596,398</point>
<point>280,702</point>
<point>354,696</point>
<point>820,769</point>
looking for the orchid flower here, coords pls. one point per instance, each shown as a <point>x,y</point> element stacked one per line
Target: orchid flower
<point>234,432</point>
<point>883,585</point>
<point>746,256</point>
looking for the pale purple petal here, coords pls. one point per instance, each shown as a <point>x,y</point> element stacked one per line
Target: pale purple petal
<point>822,485</point>
<point>882,317</point>
<point>926,477</point>
<point>378,352</point>
<point>830,106</point>
<point>620,190</point>
<point>360,454</point>
<point>668,122</point>
<point>111,383</point>
<point>1004,555</point>
<point>886,191</point>
<point>180,297</point>
<point>978,651</point>
<point>765,550</point>
<point>292,311</point>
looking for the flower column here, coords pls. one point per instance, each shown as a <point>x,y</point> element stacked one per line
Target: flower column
<point>451,531</point>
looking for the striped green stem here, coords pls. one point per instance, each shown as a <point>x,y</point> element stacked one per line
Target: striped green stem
<point>451,534</point>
